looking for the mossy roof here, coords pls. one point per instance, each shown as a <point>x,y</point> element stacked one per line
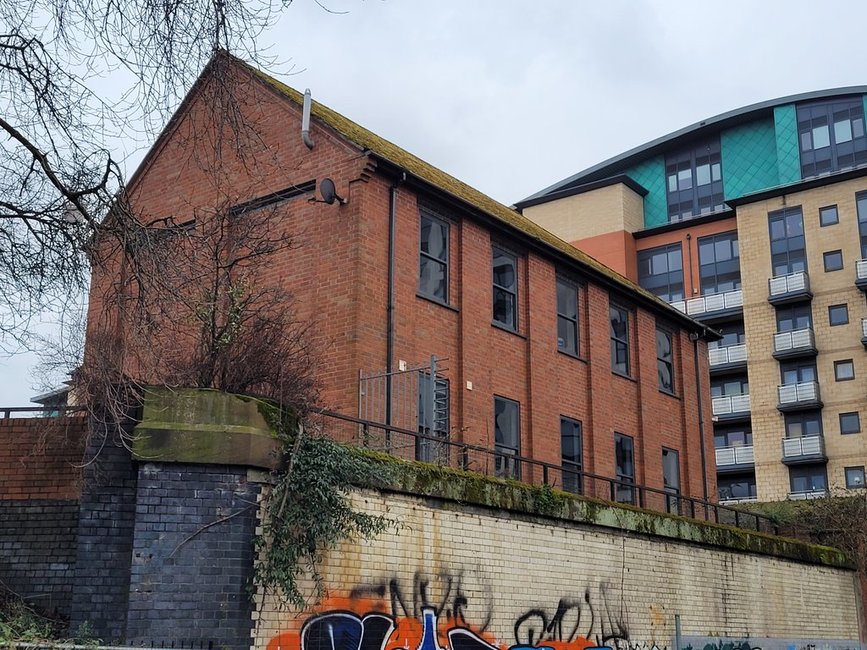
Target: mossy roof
<point>454,188</point>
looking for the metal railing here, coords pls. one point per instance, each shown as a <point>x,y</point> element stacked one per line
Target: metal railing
<point>729,354</point>
<point>805,391</point>
<point>730,404</point>
<point>715,302</point>
<point>808,446</point>
<point>742,455</point>
<point>792,283</point>
<point>864,328</point>
<point>405,443</point>
<point>7,412</point>
<point>861,270</point>
<point>807,494</point>
<point>802,339</point>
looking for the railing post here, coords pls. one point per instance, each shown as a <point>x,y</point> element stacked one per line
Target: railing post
<point>545,474</point>
<point>612,488</point>
<point>737,518</point>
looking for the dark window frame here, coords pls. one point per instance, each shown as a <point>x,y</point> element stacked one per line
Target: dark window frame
<point>803,418</point>
<point>431,258</point>
<point>572,470</point>
<point>689,198</point>
<point>619,344</point>
<point>861,213</point>
<point>715,273</point>
<point>798,367</point>
<point>788,250</point>
<point>826,210</point>
<point>840,364</point>
<point>662,364</point>
<point>845,429</point>
<point>667,285</point>
<point>842,307</point>
<point>799,472</point>
<point>726,482</point>
<point>791,318</point>
<point>503,465</point>
<point>856,486</point>
<point>672,500</point>
<point>624,493</point>
<point>835,155</point>
<point>508,292</point>
<point>566,320</point>
<point>829,260</point>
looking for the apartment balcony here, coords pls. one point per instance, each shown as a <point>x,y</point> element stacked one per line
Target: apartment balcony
<point>797,397</point>
<point>810,494</point>
<point>810,449</point>
<point>727,359</point>
<point>785,289</point>
<point>797,343</point>
<point>712,307</point>
<point>734,459</point>
<point>734,502</point>
<point>731,407</point>
<point>861,274</point>
<point>864,332</point>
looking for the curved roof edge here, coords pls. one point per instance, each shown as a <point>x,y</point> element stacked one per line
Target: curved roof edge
<point>723,120</point>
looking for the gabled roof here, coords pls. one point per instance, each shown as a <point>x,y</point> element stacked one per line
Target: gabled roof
<point>697,131</point>
<point>471,198</point>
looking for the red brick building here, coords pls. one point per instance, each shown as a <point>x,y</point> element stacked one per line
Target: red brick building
<point>542,351</point>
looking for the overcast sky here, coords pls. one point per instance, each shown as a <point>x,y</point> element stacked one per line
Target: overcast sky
<point>511,97</point>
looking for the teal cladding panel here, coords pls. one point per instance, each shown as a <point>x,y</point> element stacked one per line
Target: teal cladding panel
<point>749,158</point>
<point>788,154</point>
<point>651,176</point>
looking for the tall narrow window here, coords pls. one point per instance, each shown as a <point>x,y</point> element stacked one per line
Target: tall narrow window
<point>861,205</point>
<point>832,136</point>
<point>660,271</point>
<point>671,479</point>
<point>433,258</point>
<point>794,317</point>
<point>567,317</point>
<point>570,450</point>
<point>505,268</point>
<point>433,419</point>
<point>719,263</point>
<point>788,246</point>
<point>694,181</point>
<point>624,455</point>
<point>619,318</point>
<point>507,437</point>
<point>664,360</point>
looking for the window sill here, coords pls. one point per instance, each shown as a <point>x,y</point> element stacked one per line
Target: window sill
<point>669,393</point>
<point>577,357</point>
<point>626,377</point>
<point>505,328</point>
<point>437,302</point>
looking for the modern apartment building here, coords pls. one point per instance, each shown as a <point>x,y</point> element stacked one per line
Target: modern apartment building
<point>754,222</point>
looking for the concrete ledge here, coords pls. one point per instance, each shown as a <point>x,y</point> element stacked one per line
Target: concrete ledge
<point>464,488</point>
<point>205,426</point>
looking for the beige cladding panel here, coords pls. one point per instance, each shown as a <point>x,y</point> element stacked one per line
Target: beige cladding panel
<point>608,209</point>
<point>833,343</point>
<point>507,577</point>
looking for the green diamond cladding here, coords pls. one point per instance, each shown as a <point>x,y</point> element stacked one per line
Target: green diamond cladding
<point>788,156</point>
<point>749,158</point>
<point>650,174</point>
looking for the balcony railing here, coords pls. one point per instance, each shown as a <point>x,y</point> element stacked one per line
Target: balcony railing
<point>861,274</point>
<point>727,355</point>
<point>742,455</point>
<point>731,404</point>
<point>706,305</point>
<point>809,494</point>
<point>794,342</point>
<point>864,331</point>
<point>806,392</point>
<point>733,502</point>
<point>794,285</point>
<point>808,447</point>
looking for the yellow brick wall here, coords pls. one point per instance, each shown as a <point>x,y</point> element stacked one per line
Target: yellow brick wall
<point>833,343</point>
<point>506,575</point>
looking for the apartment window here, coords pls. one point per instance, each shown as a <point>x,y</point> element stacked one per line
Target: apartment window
<point>433,419</point>
<point>828,216</point>
<point>433,258</point>
<point>737,436</point>
<point>624,456</point>
<point>671,478</point>
<point>736,487</point>
<point>797,372</point>
<point>570,452</point>
<point>833,260</point>
<point>804,424</point>
<point>861,207</point>
<point>832,136</point>
<point>660,271</point>
<point>838,314</point>
<point>788,246</point>
<point>664,360</point>
<point>732,334</point>
<point>719,263</point>
<point>507,437</point>
<point>808,478</point>
<point>729,386</point>
<point>694,181</point>
<point>854,477</point>
<point>850,422</point>
<point>794,317</point>
<point>619,318</point>
<point>567,317</point>
<point>844,370</point>
<point>505,267</point>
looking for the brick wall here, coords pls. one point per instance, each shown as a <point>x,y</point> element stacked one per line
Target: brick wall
<point>506,579</point>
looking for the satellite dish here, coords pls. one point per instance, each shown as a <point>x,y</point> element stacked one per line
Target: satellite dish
<point>329,192</point>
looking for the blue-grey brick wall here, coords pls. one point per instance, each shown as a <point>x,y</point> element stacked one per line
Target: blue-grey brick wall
<point>192,557</point>
<point>37,551</point>
<point>105,529</point>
